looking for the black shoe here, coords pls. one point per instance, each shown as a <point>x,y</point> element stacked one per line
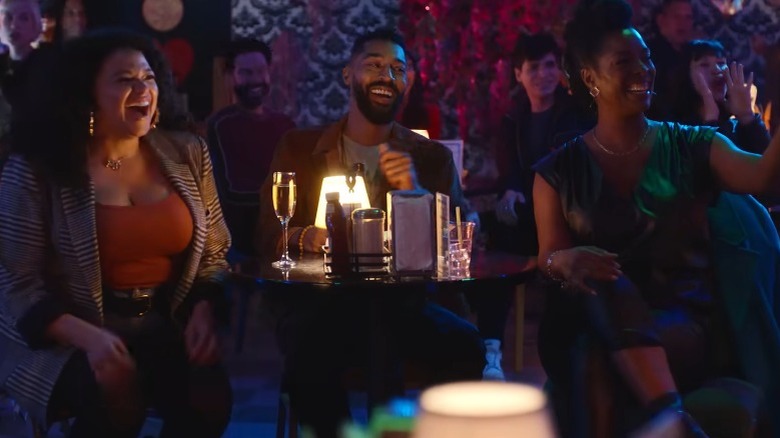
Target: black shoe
<point>691,427</point>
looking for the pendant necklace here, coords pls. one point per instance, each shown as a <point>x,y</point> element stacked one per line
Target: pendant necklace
<point>114,164</point>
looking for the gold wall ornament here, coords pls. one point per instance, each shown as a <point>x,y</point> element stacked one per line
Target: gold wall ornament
<point>91,123</point>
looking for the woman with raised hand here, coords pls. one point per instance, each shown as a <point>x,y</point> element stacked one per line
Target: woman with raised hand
<point>707,91</point>
<point>622,224</point>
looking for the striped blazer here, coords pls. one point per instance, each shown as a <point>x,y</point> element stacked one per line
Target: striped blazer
<point>48,245</point>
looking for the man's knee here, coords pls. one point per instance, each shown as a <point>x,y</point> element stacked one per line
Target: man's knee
<point>461,346</point>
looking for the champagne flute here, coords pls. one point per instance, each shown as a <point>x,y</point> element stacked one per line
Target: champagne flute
<point>284,197</point>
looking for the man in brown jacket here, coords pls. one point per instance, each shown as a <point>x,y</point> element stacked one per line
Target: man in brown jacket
<point>324,335</point>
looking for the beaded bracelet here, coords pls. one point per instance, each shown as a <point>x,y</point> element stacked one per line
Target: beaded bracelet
<point>302,235</point>
<point>550,274</point>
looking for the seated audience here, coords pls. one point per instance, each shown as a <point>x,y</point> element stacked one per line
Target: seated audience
<point>543,118</point>
<point>62,20</point>
<point>324,334</point>
<point>242,138</point>
<point>705,94</point>
<point>623,233</point>
<point>112,252</point>
<point>20,27</point>
<point>674,27</point>
<point>416,112</point>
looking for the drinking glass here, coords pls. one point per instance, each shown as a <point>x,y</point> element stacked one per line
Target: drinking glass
<point>284,194</point>
<point>460,251</point>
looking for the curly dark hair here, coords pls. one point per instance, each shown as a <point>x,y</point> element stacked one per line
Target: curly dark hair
<point>54,133</point>
<point>593,21</point>
<point>687,101</point>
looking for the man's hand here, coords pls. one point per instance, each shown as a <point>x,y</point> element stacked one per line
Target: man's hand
<point>505,208</point>
<point>200,336</point>
<point>397,167</point>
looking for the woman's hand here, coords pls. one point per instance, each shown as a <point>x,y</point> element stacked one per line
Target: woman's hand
<point>709,106</point>
<point>200,336</point>
<point>109,359</point>
<point>738,100</point>
<point>581,263</point>
<point>505,208</point>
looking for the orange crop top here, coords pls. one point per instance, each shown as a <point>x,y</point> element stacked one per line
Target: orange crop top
<point>142,245</point>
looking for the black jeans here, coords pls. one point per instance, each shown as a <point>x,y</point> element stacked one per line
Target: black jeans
<point>324,334</point>
<point>193,401</point>
<point>491,306</point>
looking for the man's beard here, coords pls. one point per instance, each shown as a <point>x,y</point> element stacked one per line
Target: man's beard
<point>249,99</point>
<point>376,114</point>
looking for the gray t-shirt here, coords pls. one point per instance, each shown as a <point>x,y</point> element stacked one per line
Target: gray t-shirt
<point>357,153</point>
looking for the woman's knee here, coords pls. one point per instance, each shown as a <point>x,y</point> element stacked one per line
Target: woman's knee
<point>619,316</point>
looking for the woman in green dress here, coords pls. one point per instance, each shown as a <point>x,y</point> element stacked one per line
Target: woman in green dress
<point>622,225</point>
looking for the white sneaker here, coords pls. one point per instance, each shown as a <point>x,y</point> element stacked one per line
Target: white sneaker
<point>493,369</point>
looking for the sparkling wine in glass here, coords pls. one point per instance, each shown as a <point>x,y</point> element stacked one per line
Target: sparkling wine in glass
<point>284,196</point>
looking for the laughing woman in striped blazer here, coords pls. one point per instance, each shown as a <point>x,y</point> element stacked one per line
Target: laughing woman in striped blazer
<point>112,248</point>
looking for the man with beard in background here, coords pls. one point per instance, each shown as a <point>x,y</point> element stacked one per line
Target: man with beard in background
<point>242,138</point>
<point>326,333</point>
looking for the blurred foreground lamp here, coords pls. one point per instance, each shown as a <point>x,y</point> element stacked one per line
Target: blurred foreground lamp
<point>352,195</point>
<point>483,409</point>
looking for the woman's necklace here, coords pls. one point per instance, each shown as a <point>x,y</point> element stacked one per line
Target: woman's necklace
<point>117,164</point>
<point>624,153</point>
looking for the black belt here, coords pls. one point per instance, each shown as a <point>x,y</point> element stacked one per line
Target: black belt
<point>129,302</point>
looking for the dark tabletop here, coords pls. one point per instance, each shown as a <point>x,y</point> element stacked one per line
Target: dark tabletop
<point>485,265</point>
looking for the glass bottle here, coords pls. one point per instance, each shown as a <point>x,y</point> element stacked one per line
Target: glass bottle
<point>336,222</point>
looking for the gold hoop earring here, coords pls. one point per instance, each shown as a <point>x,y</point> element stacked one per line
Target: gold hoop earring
<point>594,92</point>
<point>156,119</point>
<point>91,123</point>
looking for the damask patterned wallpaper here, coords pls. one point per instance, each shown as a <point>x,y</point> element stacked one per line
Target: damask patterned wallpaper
<point>310,40</point>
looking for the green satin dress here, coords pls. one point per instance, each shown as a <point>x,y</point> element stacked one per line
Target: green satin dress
<point>660,232</point>
<point>661,235</point>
